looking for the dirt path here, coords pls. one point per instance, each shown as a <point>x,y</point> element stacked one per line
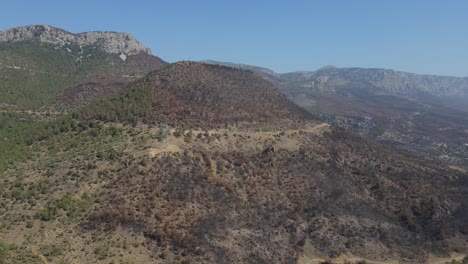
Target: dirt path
<point>176,144</point>
<point>152,152</point>
<point>460,169</point>
<point>453,256</point>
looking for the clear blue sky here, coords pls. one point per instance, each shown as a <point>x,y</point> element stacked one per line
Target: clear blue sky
<point>422,36</point>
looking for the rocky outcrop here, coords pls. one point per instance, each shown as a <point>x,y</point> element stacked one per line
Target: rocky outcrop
<point>111,42</point>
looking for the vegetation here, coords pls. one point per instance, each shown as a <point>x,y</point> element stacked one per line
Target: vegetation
<point>190,94</point>
<point>32,74</point>
<point>11,253</point>
<point>3,251</point>
<point>128,106</point>
<point>19,134</point>
<point>221,190</point>
<point>15,134</point>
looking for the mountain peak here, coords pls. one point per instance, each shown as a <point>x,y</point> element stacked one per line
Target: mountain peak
<point>328,67</point>
<point>111,42</point>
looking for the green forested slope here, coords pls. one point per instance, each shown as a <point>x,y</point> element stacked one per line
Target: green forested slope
<point>33,73</point>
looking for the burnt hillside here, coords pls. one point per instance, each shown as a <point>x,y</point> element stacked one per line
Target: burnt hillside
<point>336,192</point>
<point>200,95</point>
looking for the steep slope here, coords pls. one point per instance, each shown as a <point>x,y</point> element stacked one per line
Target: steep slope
<point>38,62</point>
<point>422,114</point>
<point>335,193</point>
<point>242,175</point>
<point>206,96</point>
<point>88,90</point>
<point>268,74</point>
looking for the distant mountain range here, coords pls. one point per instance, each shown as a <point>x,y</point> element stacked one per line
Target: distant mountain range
<point>452,91</point>
<point>422,114</point>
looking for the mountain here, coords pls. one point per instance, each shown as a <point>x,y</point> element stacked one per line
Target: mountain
<point>418,113</point>
<point>110,155</point>
<point>90,89</point>
<point>37,63</point>
<point>266,73</point>
<point>203,96</point>
<point>198,163</point>
<point>110,42</point>
<point>422,114</point>
<point>451,91</point>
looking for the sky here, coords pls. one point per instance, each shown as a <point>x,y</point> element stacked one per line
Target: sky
<point>421,36</point>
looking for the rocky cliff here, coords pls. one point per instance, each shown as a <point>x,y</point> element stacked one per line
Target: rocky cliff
<point>111,42</point>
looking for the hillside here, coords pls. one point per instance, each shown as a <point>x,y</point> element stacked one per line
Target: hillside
<point>37,63</point>
<point>239,175</point>
<point>421,114</point>
<point>87,91</point>
<point>203,96</point>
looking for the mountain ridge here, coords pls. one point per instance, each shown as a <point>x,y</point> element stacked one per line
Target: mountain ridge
<point>399,82</point>
<point>421,114</point>
<point>327,67</point>
<point>111,42</point>
<point>208,96</point>
<point>448,90</point>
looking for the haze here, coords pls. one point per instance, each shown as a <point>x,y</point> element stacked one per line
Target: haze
<point>427,37</point>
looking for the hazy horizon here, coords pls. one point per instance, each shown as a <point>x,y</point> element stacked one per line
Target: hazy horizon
<point>425,37</point>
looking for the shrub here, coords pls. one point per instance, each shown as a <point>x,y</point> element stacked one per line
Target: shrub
<point>188,137</point>
<point>101,252</point>
<point>3,251</point>
<point>53,251</point>
<point>47,213</point>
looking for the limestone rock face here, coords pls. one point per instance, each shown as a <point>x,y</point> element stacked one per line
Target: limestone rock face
<point>111,42</point>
